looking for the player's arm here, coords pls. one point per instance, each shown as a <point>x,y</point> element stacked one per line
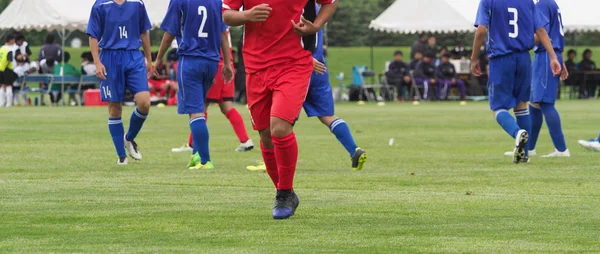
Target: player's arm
<point>305,27</point>
<point>95,49</point>
<point>258,13</point>
<point>480,35</point>
<point>146,46</point>
<point>545,40</point>
<point>225,47</point>
<point>162,50</point>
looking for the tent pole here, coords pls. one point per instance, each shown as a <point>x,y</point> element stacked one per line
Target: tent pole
<point>62,66</point>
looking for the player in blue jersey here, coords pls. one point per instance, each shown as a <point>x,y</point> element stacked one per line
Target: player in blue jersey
<point>199,29</point>
<point>510,26</point>
<point>120,28</point>
<point>544,87</point>
<point>319,103</point>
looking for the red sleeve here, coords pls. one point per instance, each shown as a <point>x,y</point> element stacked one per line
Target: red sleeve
<point>326,1</point>
<point>232,4</point>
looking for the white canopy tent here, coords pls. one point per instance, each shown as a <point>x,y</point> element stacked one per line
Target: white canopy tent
<point>409,16</point>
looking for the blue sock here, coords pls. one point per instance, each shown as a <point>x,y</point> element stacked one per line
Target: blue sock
<point>200,136</point>
<point>524,121</point>
<point>115,126</point>
<point>342,132</point>
<point>135,124</point>
<point>537,119</point>
<point>554,127</point>
<point>507,122</point>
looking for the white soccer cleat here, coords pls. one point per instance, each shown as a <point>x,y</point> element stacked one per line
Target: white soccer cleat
<point>531,153</point>
<point>184,148</point>
<point>122,161</point>
<point>246,146</point>
<point>591,145</point>
<point>556,153</point>
<point>132,148</point>
<point>520,146</point>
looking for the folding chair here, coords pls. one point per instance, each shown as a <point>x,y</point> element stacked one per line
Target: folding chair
<point>414,88</point>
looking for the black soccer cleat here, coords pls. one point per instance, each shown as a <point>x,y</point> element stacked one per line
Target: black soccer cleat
<point>358,159</point>
<point>520,147</point>
<point>285,205</point>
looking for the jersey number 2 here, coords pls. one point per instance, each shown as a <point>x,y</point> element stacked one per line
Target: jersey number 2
<point>513,22</point>
<point>202,11</point>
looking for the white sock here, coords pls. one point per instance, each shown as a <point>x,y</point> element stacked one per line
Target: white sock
<point>9,96</point>
<point>2,97</point>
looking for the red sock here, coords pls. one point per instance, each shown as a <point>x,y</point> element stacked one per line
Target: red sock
<point>286,154</point>
<point>191,140</point>
<point>271,163</point>
<point>237,122</point>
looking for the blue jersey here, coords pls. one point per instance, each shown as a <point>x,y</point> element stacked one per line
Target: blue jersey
<point>197,25</point>
<point>555,29</point>
<point>319,51</point>
<point>118,26</point>
<point>511,25</point>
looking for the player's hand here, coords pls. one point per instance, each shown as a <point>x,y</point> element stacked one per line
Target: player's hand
<point>556,68</point>
<point>564,75</point>
<point>433,81</point>
<point>475,68</point>
<point>100,71</point>
<point>258,13</point>
<point>304,27</point>
<point>319,67</point>
<point>157,64</point>
<point>227,73</point>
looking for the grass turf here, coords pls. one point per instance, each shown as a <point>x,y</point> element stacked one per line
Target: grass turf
<point>443,186</point>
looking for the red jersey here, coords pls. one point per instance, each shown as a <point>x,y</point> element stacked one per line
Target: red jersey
<point>230,49</point>
<point>272,42</point>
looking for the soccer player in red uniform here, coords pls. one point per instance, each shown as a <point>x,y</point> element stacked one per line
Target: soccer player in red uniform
<point>278,74</point>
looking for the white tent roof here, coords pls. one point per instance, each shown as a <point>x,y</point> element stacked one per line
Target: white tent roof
<point>59,14</point>
<point>410,16</point>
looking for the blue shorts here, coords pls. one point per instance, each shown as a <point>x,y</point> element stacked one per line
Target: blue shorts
<point>195,76</point>
<point>125,69</point>
<point>319,99</point>
<point>544,87</point>
<point>510,80</point>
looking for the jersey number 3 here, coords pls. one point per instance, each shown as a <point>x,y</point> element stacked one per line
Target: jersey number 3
<point>202,11</point>
<point>514,23</point>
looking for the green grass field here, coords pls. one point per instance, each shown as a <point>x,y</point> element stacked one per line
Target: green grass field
<point>340,59</point>
<point>443,186</point>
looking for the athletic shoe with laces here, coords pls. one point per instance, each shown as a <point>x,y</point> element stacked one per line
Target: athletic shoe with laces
<point>556,153</point>
<point>285,205</point>
<point>184,148</point>
<point>132,148</point>
<point>207,165</point>
<point>246,146</point>
<point>358,159</point>
<point>532,153</point>
<point>592,145</point>
<point>194,160</point>
<point>520,146</point>
<point>260,166</point>
<point>122,161</point>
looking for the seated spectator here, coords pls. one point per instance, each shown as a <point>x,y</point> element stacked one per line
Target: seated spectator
<point>459,52</point>
<point>446,74</point>
<point>443,51</point>
<point>21,69</point>
<point>571,67</point>
<point>425,74</point>
<point>587,64</point>
<point>159,82</point>
<point>66,70</point>
<point>23,47</point>
<point>50,49</point>
<point>398,75</point>
<point>88,67</point>
<point>417,59</point>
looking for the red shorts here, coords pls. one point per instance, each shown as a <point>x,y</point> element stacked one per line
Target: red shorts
<point>278,91</point>
<point>219,91</point>
<point>157,84</point>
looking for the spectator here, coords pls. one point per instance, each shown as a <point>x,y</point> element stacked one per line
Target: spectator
<point>587,64</point>
<point>8,76</point>
<point>398,75</point>
<point>23,47</point>
<point>572,69</point>
<point>459,52</point>
<point>443,51</point>
<point>66,70</point>
<point>485,68</point>
<point>431,46</point>
<point>446,74</point>
<point>418,46</point>
<point>414,62</point>
<point>50,49</point>
<point>23,68</point>
<point>159,83</point>
<point>425,74</point>
<point>88,67</point>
